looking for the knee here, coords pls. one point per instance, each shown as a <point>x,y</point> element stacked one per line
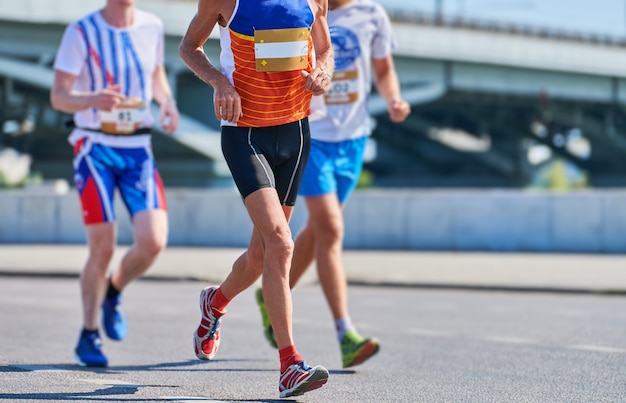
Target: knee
<point>101,254</point>
<point>279,243</point>
<point>151,247</point>
<point>330,231</point>
<point>282,240</point>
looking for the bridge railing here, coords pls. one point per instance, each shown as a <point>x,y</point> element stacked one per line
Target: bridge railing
<point>423,18</point>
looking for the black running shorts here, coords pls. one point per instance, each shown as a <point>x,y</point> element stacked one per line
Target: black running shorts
<point>262,157</point>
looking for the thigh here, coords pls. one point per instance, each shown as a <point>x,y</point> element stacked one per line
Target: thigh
<point>139,182</point>
<point>101,237</point>
<point>94,179</point>
<point>268,215</point>
<point>150,227</point>
<point>325,215</point>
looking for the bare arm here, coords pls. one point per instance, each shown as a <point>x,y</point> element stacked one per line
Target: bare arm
<point>210,12</point>
<point>318,81</point>
<point>65,99</point>
<point>169,116</point>
<point>386,81</point>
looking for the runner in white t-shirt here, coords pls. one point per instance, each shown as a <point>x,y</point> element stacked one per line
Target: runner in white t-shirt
<point>362,40</point>
<point>108,69</point>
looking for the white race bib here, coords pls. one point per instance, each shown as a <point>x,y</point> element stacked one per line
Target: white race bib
<point>125,119</point>
<point>344,89</point>
<point>278,50</point>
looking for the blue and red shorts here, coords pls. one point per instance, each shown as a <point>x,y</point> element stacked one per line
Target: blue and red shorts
<point>100,169</point>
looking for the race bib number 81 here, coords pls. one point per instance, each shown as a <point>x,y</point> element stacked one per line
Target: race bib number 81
<point>125,119</point>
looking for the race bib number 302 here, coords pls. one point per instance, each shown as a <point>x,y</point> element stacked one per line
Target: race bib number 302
<point>345,88</point>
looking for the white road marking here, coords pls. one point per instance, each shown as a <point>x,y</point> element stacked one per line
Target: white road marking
<point>40,368</point>
<point>112,382</point>
<point>509,340</point>
<point>518,341</point>
<point>188,399</point>
<point>598,349</point>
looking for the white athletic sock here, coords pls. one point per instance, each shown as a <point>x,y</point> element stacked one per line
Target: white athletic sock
<point>343,325</point>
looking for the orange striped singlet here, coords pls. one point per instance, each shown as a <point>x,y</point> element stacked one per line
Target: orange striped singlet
<point>264,47</point>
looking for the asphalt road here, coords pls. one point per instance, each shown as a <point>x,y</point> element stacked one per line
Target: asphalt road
<point>437,346</point>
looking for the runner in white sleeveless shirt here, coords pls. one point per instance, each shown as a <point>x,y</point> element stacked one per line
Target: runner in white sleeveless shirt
<point>108,69</point>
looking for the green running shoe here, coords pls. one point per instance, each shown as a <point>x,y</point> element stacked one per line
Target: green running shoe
<point>356,350</point>
<point>267,326</point>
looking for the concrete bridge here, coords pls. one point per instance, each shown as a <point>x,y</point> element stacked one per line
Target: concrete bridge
<point>483,96</point>
<point>502,89</point>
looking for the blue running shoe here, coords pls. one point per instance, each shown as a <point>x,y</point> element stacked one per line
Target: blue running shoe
<point>88,352</point>
<point>113,319</point>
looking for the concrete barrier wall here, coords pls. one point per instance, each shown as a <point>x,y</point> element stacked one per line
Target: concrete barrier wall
<point>498,220</point>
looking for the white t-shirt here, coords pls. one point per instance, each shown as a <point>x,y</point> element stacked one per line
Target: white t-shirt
<point>360,31</point>
<point>101,55</point>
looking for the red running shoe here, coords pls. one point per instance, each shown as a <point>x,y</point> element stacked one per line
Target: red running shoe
<point>206,339</point>
<point>299,378</point>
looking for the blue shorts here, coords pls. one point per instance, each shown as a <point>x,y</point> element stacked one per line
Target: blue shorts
<point>333,168</point>
<point>99,169</point>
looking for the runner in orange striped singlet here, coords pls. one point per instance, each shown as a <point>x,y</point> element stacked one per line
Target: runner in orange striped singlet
<point>275,55</point>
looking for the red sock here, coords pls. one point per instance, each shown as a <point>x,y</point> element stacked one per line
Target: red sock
<point>288,356</point>
<point>218,303</point>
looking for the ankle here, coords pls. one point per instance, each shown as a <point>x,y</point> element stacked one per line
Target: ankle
<point>112,291</point>
<point>218,303</point>
<point>288,356</point>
